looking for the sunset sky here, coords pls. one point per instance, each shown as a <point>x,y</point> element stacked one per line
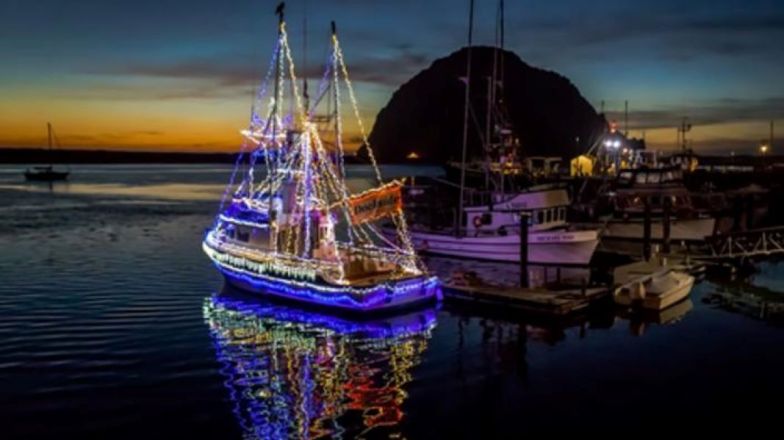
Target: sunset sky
<point>179,75</point>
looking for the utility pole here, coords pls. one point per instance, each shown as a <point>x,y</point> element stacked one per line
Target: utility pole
<point>771,135</point>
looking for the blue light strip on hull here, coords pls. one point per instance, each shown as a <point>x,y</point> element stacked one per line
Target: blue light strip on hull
<point>380,297</point>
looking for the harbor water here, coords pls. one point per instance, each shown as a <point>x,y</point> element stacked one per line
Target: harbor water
<point>114,324</point>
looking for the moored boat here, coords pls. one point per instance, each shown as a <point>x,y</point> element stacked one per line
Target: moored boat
<point>492,232</point>
<point>46,173</point>
<point>495,191</point>
<point>661,192</point>
<point>654,291</point>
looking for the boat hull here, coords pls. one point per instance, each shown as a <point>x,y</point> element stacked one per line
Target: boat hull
<point>389,296</point>
<point>550,247</point>
<point>243,273</point>
<point>628,295</point>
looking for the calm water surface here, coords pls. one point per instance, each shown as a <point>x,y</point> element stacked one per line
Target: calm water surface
<point>113,324</point>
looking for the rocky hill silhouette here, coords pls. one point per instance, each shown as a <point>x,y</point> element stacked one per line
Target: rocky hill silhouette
<point>425,115</point>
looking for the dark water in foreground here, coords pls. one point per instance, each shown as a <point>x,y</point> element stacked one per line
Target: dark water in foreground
<point>111,326</point>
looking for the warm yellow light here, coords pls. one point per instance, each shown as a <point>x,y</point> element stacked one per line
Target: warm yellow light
<point>763,149</point>
<point>412,155</point>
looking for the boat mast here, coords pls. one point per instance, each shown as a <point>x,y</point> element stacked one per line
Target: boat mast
<point>49,137</point>
<point>496,73</point>
<point>276,106</point>
<point>458,218</point>
<point>305,95</point>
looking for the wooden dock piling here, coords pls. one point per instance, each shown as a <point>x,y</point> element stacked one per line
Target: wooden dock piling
<point>666,224</point>
<point>524,218</point>
<point>646,236</point>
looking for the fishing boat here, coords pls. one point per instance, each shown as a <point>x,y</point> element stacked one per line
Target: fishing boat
<point>291,228</point>
<point>487,224</point>
<point>46,173</point>
<point>492,231</point>
<point>659,189</point>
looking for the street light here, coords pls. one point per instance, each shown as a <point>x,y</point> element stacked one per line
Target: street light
<point>764,149</point>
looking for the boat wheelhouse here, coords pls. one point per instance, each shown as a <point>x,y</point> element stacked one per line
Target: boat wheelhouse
<point>290,228</point>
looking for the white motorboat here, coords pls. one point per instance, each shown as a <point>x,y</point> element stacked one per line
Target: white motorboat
<point>654,291</point>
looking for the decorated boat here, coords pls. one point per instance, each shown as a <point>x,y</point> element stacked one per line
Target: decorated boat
<point>288,225</point>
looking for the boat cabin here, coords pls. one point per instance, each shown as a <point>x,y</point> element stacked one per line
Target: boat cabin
<point>546,209</point>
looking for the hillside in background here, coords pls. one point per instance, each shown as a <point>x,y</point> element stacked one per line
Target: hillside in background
<point>425,115</point>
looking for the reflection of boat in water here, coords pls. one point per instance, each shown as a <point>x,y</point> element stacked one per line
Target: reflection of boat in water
<point>292,373</point>
<point>296,232</point>
<point>639,320</point>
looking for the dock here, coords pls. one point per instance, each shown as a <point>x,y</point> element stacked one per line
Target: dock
<point>537,300</point>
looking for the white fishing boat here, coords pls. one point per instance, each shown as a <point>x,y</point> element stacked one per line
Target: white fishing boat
<point>488,227</point>
<point>290,228</point>
<point>493,232</point>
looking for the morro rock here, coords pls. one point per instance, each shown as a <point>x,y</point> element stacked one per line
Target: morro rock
<point>425,115</point>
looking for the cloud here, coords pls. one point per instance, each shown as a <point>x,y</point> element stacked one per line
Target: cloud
<point>143,92</point>
<point>720,111</point>
<point>679,37</point>
<point>233,74</point>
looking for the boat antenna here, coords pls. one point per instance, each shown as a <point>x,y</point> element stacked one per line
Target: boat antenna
<point>49,136</point>
<point>458,218</point>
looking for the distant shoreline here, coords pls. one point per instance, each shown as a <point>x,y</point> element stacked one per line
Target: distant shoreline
<point>40,155</point>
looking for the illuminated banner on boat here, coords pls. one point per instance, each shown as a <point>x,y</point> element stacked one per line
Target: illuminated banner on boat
<point>376,203</point>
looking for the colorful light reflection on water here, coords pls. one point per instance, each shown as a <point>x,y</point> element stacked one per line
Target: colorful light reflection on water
<point>291,372</point>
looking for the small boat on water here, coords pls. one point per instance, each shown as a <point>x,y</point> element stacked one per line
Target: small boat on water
<point>292,230</point>
<point>46,173</point>
<point>652,290</point>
